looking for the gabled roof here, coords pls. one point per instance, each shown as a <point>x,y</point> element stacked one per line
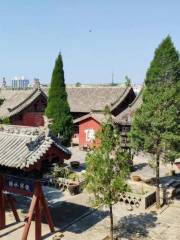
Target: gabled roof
<point>82,99</point>
<point>21,147</point>
<point>98,116</point>
<point>94,98</point>
<point>121,98</point>
<point>126,116</point>
<point>17,100</point>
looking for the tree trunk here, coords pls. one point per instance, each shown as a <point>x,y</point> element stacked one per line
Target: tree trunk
<point>157,183</point>
<point>111,221</point>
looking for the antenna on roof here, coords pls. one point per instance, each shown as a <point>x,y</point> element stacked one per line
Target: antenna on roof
<point>36,84</point>
<point>112,80</point>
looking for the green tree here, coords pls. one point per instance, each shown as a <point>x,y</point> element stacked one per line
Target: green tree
<point>107,167</point>
<point>1,101</point>
<point>127,81</point>
<point>156,125</point>
<point>57,107</point>
<point>78,84</point>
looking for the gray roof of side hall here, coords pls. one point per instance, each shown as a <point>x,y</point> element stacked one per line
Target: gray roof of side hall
<point>21,147</point>
<point>81,99</point>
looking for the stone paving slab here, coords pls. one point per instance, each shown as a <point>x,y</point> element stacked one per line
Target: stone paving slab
<point>64,209</point>
<point>132,225</point>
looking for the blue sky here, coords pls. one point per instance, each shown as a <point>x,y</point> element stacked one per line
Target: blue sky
<point>95,37</point>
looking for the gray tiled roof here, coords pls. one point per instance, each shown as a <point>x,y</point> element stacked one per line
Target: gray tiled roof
<point>17,100</point>
<point>126,116</point>
<point>88,98</point>
<point>81,99</point>
<point>98,116</point>
<point>21,147</point>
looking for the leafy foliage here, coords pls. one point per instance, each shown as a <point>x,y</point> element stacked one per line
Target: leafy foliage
<point>5,121</point>
<point>1,101</point>
<point>58,108</point>
<point>156,126</point>
<point>157,122</point>
<point>127,81</point>
<point>107,166</point>
<point>78,84</point>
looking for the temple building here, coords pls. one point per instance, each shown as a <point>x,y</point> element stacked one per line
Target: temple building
<point>27,107</point>
<point>29,149</point>
<point>124,119</point>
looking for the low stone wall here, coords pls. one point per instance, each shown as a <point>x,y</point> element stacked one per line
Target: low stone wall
<point>137,200</point>
<point>149,199</point>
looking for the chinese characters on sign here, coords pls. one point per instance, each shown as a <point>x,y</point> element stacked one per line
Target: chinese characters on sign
<point>19,183</point>
<point>90,135</point>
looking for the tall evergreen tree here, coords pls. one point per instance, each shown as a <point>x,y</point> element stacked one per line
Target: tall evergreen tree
<point>57,107</point>
<point>156,126</point>
<point>107,167</point>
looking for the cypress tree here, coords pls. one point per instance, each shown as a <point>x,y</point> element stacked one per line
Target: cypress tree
<point>156,125</point>
<point>57,107</point>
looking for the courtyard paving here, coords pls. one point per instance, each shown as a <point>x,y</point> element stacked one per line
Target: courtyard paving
<point>64,208</point>
<point>74,216</point>
<point>147,225</point>
<point>129,225</point>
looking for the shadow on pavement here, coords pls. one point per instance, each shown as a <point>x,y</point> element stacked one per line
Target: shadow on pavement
<point>139,166</point>
<point>134,226</point>
<point>67,212</point>
<point>166,179</point>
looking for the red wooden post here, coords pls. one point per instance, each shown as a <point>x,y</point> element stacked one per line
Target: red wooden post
<point>2,205</point>
<point>38,220</point>
<point>30,216</point>
<point>38,213</point>
<point>37,202</point>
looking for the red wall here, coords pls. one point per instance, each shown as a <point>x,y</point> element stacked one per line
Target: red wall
<point>33,119</point>
<point>32,115</point>
<point>89,123</point>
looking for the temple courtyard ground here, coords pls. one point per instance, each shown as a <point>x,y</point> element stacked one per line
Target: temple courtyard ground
<point>74,217</point>
<point>130,225</point>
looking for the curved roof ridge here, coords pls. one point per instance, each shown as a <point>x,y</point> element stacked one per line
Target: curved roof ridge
<point>81,99</point>
<point>25,147</point>
<point>27,98</point>
<point>26,102</point>
<point>129,111</point>
<point>121,98</point>
<point>136,98</point>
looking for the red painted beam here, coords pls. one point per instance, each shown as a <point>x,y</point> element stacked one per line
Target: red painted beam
<point>18,191</point>
<point>38,221</point>
<point>2,205</point>
<point>29,218</point>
